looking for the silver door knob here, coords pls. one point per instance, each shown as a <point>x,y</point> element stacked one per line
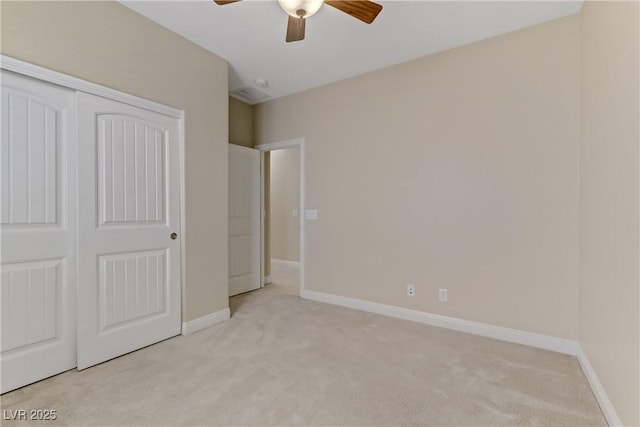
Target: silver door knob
<point>174,236</point>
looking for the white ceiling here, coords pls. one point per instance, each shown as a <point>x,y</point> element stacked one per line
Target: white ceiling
<point>250,35</point>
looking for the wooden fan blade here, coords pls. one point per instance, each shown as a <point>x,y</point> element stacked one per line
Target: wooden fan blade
<point>364,10</point>
<point>295,29</point>
<point>223,2</point>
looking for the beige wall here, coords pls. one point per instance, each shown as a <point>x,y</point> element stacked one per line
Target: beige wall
<point>285,197</point>
<point>240,123</point>
<point>609,197</point>
<point>107,43</point>
<point>457,170</point>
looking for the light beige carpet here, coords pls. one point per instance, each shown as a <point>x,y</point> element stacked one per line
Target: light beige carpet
<point>285,361</point>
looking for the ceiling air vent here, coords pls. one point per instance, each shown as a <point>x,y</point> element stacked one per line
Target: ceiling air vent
<point>249,94</point>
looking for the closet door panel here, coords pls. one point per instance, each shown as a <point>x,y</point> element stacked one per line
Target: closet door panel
<point>129,265</point>
<point>37,230</point>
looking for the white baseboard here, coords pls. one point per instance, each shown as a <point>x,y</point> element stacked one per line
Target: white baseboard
<point>206,321</point>
<point>267,279</point>
<point>546,342</point>
<point>598,390</point>
<point>285,263</point>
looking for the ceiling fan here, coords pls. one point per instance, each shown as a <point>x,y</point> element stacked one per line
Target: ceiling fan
<point>299,10</point>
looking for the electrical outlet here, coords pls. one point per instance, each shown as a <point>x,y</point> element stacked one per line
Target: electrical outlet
<point>443,295</point>
<point>411,290</point>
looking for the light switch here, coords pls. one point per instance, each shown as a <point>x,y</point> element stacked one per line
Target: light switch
<point>311,214</point>
<point>295,212</point>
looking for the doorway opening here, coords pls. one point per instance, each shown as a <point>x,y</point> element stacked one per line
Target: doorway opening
<point>282,225</point>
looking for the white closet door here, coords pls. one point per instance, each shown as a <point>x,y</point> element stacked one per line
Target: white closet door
<point>244,219</point>
<point>129,264</point>
<point>37,231</point>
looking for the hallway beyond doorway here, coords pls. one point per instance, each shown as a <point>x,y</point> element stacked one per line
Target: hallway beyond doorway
<point>285,279</point>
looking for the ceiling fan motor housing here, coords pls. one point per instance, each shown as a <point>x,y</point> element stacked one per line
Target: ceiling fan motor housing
<point>301,8</point>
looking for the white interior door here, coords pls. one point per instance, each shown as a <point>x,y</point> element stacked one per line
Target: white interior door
<point>244,219</point>
<point>37,232</point>
<point>129,264</point>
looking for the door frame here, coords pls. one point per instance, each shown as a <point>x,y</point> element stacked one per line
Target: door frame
<point>30,70</point>
<point>280,145</point>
